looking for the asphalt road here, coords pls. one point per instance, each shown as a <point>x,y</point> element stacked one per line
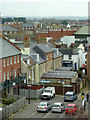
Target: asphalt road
<point>31,110</point>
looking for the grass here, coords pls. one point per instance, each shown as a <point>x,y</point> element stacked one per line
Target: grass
<point>83,88</point>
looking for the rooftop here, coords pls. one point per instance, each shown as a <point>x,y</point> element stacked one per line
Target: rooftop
<point>7,49</point>
<point>84,30</point>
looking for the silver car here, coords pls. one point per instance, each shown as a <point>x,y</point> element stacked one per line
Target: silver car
<point>58,107</point>
<point>44,106</point>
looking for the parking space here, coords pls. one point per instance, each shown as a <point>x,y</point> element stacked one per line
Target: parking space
<point>31,110</point>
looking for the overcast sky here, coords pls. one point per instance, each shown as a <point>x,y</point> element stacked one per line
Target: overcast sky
<point>44,8</point>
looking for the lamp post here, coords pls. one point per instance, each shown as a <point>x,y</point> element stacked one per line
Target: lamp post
<point>29,90</point>
<point>18,80</point>
<point>11,76</point>
<point>8,86</point>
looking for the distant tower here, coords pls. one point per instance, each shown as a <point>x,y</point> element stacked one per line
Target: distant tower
<point>41,25</point>
<point>68,26</point>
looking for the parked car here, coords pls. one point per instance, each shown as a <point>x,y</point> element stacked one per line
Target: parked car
<point>70,96</point>
<point>71,108</point>
<point>44,106</point>
<point>58,107</point>
<point>48,93</point>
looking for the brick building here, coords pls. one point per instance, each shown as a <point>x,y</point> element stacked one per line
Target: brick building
<point>56,34</point>
<point>10,60</point>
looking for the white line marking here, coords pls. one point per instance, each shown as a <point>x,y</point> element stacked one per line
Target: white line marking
<point>46,115</point>
<point>62,115</point>
<point>32,114</point>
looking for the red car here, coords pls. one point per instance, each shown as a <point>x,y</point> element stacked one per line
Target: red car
<point>71,108</point>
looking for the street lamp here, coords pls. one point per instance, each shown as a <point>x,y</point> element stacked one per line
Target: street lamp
<point>8,86</point>
<point>29,90</point>
<point>18,80</point>
<point>11,76</point>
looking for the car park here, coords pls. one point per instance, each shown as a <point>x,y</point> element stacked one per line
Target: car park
<point>71,108</point>
<point>44,106</point>
<point>70,96</point>
<point>58,107</point>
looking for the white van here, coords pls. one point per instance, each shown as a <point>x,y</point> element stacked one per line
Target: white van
<point>48,93</point>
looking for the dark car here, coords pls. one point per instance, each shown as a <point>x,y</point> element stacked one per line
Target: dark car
<point>70,96</point>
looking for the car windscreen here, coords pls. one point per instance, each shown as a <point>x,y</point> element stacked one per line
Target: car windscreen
<point>56,105</point>
<point>49,91</point>
<point>70,106</point>
<point>68,94</point>
<point>42,104</point>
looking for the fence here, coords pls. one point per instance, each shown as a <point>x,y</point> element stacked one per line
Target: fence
<point>29,92</point>
<point>13,108</point>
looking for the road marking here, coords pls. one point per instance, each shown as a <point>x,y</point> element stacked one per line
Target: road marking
<point>32,114</point>
<point>46,115</point>
<point>62,115</point>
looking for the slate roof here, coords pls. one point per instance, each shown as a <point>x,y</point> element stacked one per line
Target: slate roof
<point>7,28</point>
<point>84,30</point>
<point>64,69</point>
<point>44,47</point>
<point>68,51</point>
<point>27,25</point>
<point>58,74</point>
<point>7,49</point>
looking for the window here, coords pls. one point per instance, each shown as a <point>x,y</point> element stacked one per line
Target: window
<point>4,76</point>
<point>4,63</point>
<point>44,68</point>
<point>47,57</point>
<point>29,73</point>
<point>69,57</point>
<point>7,61</point>
<point>14,59</point>
<point>18,59</point>
<point>15,73</point>
<point>32,74</point>
<point>11,60</point>
<point>7,75</point>
<point>51,54</point>
<point>63,57</point>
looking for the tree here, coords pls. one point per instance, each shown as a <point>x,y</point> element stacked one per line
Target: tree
<point>64,22</point>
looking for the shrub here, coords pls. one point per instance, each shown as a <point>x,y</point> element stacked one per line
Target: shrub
<point>8,102</point>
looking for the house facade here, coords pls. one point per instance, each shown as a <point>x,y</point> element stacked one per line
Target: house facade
<point>10,60</point>
<point>43,57</point>
<point>73,57</point>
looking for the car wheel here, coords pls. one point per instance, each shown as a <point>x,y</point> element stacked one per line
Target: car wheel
<point>50,98</point>
<point>47,111</point>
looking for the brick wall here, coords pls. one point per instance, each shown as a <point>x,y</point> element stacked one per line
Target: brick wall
<point>7,68</point>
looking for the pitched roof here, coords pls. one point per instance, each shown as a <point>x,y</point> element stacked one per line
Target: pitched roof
<point>68,51</point>
<point>64,69</point>
<point>84,30</point>
<point>44,47</point>
<point>58,74</point>
<point>7,49</point>
<point>27,25</point>
<point>7,28</point>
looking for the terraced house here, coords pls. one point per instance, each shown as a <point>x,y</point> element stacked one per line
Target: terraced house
<point>42,58</point>
<point>10,60</point>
